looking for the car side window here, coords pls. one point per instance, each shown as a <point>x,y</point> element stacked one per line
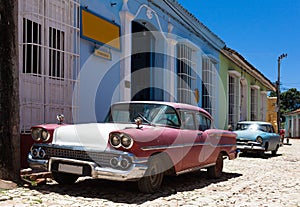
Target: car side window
<point>202,122</point>
<point>269,129</point>
<point>187,120</point>
<point>263,128</point>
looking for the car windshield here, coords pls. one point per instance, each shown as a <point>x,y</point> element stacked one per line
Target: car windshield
<point>153,114</point>
<point>253,127</point>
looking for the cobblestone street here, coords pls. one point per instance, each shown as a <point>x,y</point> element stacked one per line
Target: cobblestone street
<point>248,181</point>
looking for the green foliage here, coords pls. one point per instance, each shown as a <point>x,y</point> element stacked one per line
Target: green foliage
<point>273,94</point>
<point>290,100</point>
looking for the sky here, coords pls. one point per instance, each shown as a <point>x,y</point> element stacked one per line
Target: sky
<point>260,30</point>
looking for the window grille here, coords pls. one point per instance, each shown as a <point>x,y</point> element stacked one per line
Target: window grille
<point>185,74</point>
<point>209,85</point>
<point>243,99</point>
<point>233,99</point>
<point>49,38</point>
<point>263,108</point>
<point>254,105</point>
<point>56,55</point>
<point>31,48</point>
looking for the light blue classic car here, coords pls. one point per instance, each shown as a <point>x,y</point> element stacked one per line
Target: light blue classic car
<point>257,137</point>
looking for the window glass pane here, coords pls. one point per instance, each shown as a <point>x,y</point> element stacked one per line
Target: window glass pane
<point>56,58</point>
<point>31,47</point>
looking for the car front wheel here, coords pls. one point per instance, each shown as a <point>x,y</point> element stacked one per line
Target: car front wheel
<point>64,178</point>
<point>216,170</point>
<point>153,177</point>
<point>274,152</point>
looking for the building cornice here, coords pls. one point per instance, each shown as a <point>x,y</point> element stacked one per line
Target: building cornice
<point>295,112</point>
<point>191,22</point>
<point>240,61</point>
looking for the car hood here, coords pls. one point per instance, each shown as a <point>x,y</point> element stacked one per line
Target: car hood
<point>90,136</point>
<point>248,134</point>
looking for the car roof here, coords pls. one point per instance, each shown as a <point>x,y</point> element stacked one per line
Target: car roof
<point>172,104</point>
<point>255,122</point>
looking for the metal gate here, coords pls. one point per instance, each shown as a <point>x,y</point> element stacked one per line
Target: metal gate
<point>49,40</point>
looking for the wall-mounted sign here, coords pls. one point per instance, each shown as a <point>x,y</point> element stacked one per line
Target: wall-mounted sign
<point>103,53</point>
<point>99,30</point>
<point>196,93</point>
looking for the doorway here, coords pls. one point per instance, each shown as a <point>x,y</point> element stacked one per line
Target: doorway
<point>142,63</point>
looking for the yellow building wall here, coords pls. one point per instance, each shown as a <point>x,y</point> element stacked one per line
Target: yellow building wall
<point>271,115</point>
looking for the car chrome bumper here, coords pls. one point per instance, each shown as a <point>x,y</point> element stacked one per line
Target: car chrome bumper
<point>250,146</point>
<point>37,163</point>
<point>135,172</point>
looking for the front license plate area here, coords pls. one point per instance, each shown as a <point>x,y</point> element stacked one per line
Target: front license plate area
<point>70,169</point>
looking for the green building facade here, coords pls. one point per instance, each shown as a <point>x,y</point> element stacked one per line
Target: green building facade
<point>245,90</point>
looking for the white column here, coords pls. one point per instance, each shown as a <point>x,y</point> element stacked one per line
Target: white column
<point>125,64</point>
<point>171,72</point>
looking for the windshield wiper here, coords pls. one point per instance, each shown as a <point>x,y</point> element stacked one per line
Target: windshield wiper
<point>145,119</point>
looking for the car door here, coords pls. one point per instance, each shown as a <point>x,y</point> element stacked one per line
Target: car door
<point>274,138</point>
<point>192,139</point>
<point>203,124</point>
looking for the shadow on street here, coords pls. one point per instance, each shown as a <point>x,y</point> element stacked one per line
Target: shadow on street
<point>259,155</point>
<point>127,192</point>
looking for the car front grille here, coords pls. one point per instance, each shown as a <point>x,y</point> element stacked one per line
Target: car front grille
<point>102,159</point>
<point>241,141</point>
<point>247,142</point>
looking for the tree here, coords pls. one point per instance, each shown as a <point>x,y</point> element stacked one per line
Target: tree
<point>289,100</point>
<point>9,92</point>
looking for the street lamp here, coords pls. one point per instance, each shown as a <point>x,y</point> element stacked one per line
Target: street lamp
<point>278,91</point>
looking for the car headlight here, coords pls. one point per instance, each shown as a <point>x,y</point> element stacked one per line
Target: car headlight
<point>126,141</point>
<point>115,140</point>
<point>37,152</point>
<point>35,134</point>
<point>34,152</point>
<point>45,135</point>
<point>39,133</point>
<point>259,140</point>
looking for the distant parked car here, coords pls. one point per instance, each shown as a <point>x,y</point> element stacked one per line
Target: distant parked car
<point>139,141</point>
<point>255,136</point>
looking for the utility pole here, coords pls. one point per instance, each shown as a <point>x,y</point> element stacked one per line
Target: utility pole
<point>278,91</point>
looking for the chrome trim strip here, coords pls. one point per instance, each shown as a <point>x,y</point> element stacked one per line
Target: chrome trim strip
<point>162,147</point>
<point>195,168</point>
<point>249,147</point>
<point>79,148</point>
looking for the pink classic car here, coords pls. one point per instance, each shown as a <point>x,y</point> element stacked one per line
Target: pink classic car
<point>139,141</point>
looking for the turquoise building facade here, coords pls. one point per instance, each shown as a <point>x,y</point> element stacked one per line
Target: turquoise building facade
<point>165,54</point>
<point>292,124</point>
